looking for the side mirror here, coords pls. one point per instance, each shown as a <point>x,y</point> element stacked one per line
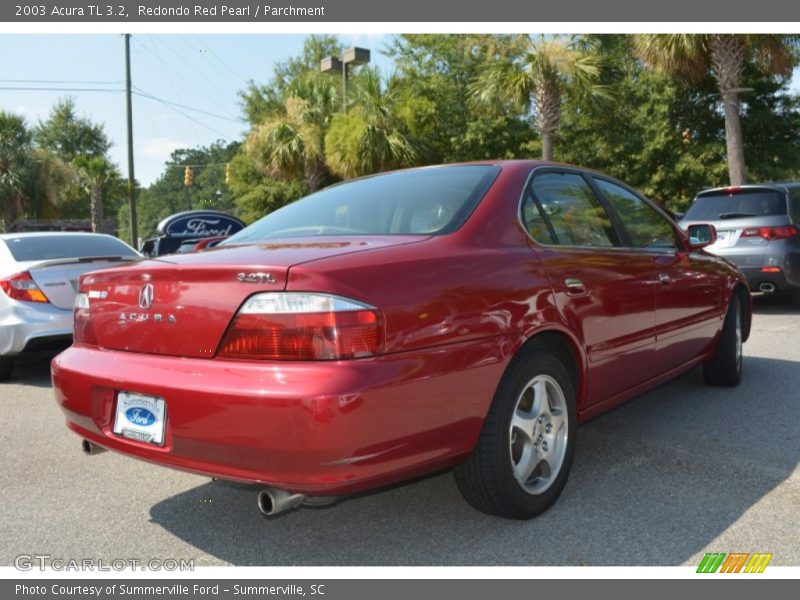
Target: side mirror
<point>701,235</point>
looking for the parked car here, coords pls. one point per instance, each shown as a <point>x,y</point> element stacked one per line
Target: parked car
<point>466,316</point>
<point>38,280</point>
<point>757,230</point>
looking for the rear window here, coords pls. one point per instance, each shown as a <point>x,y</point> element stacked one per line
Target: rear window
<point>57,247</point>
<point>724,205</point>
<point>417,202</point>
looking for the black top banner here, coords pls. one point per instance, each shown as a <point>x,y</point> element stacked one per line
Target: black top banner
<point>271,11</point>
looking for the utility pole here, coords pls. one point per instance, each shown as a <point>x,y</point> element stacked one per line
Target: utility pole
<point>131,179</point>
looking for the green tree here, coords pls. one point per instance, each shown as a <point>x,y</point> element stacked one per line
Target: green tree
<point>15,165</point>
<point>666,138</point>
<point>97,175</point>
<point>370,137</point>
<point>68,135</point>
<point>433,73</point>
<point>725,56</point>
<point>289,144</point>
<point>535,77</point>
<point>255,194</point>
<point>260,101</point>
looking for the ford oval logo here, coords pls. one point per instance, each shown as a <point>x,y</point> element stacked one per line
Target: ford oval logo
<point>140,416</point>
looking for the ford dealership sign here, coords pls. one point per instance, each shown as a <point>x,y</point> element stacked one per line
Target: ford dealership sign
<point>200,224</point>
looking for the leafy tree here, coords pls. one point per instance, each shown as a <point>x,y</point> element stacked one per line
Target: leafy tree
<point>255,194</point>
<point>433,75</point>
<point>536,77</point>
<point>68,135</point>
<point>15,165</point>
<point>725,56</point>
<point>370,137</point>
<point>261,101</point>
<point>97,175</point>
<point>290,143</point>
<point>665,137</point>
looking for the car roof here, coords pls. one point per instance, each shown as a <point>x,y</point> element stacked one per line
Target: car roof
<point>779,187</point>
<point>5,236</point>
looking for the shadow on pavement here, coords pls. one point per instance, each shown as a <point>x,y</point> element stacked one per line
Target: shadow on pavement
<point>32,371</point>
<point>774,305</point>
<point>654,482</point>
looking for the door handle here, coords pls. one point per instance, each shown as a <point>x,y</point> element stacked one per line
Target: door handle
<point>574,286</point>
<point>664,278</point>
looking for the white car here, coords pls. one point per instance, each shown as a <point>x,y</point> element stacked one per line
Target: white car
<point>38,281</point>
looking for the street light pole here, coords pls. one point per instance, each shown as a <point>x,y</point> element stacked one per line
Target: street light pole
<point>131,179</point>
<point>351,56</point>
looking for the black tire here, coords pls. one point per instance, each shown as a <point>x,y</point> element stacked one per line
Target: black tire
<point>6,367</point>
<point>724,368</point>
<point>486,479</point>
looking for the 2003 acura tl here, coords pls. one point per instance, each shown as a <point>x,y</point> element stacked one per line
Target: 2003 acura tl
<point>466,316</point>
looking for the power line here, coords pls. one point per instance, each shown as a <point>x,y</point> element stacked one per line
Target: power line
<point>62,81</point>
<point>200,74</point>
<point>140,92</point>
<point>59,89</point>
<point>228,68</point>
<point>167,72</point>
<point>206,53</point>
<point>172,106</point>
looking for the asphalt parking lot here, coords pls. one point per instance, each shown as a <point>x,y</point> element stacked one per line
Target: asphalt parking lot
<point>681,471</point>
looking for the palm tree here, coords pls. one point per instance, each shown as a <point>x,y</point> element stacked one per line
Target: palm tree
<point>15,165</point>
<point>725,56</point>
<point>96,173</point>
<point>536,77</point>
<point>369,138</point>
<point>290,143</point>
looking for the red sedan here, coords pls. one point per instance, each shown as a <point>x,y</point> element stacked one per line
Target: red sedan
<point>466,316</point>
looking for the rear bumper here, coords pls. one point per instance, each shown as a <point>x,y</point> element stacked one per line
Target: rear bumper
<point>30,326</point>
<point>788,278</point>
<point>322,428</point>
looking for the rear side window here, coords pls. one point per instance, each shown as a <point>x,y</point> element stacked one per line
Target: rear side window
<point>561,208</point>
<point>794,204</point>
<point>645,226</point>
<point>429,201</point>
<point>58,247</point>
<point>721,205</point>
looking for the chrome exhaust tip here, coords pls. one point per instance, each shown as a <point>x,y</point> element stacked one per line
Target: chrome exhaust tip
<point>766,288</point>
<point>272,501</point>
<point>90,449</point>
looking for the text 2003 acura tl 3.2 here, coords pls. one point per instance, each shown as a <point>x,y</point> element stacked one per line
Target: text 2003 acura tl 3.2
<point>466,316</point>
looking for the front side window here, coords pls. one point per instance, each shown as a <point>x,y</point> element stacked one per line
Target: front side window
<point>645,226</point>
<point>561,208</point>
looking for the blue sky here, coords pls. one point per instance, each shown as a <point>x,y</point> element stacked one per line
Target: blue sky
<point>203,72</point>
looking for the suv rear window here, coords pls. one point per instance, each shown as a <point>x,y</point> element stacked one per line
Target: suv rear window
<point>722,205</point>
<point>58,247</point>
<point>428,201</point>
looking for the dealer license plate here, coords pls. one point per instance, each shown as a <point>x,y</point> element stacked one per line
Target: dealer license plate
<point>140,417</point>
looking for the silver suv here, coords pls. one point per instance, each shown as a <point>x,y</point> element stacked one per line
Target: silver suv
<point>757,230</point>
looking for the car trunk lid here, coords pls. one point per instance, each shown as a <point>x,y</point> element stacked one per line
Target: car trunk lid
<point>182,305</point>
<point>58,279</point>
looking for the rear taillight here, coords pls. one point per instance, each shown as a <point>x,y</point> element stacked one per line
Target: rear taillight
<point>771,233</point>
<point>83,332</point>
<point>303,326</point>
<point>22,287</point>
